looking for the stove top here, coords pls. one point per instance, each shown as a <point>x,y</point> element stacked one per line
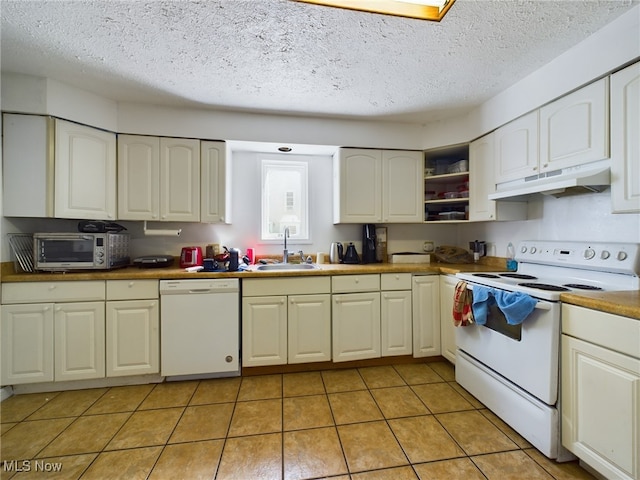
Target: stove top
<point>549,268</point>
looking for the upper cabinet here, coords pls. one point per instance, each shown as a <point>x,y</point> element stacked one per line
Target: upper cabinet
<point>446,184</point>
<point>158,178</point>
<point>625,142</point>
<point>215,171</point>
<point>575,128</point>
<point>516,149</point>
<point>377,186</point>
<point>55,168</point>
<point>570,131</point>
<point>483,157</point>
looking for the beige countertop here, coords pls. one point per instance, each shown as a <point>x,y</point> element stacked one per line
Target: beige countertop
<point>619,303</point>
<point>173,272</point>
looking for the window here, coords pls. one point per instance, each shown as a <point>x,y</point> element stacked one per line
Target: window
<point>285,200</point>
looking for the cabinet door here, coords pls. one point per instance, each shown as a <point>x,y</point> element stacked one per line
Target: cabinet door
<point>138,177</point>
<point>357,186</point>
<point>85,172</point>
<point>575,128</point>
<point>601,407</point>
<point>133,338</point>
<point>481,179</point>
<point>426,316</point>
<point>516,149</point>
<point>28,163</point>
<point>264,331</point>
<point>79,341</point>
<point>395,323</point>
<point>402,187</point>
<point>356,326</point>
<point>309,328</point>
<point>27,344</point>
<point>179,180</point>
<point>625,145</point>
<point>447,329</point>
<point>213,186</point>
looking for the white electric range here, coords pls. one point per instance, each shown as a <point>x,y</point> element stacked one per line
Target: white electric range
<point>514,369</point>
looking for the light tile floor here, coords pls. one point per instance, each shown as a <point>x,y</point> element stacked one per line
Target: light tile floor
<point>409,421</point>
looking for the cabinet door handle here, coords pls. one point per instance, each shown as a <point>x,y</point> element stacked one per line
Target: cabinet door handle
<point>131,284</point>
<point>52,287</point>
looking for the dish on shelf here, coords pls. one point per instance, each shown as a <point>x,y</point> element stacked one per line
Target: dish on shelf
<point>459,167</point>
<point>451,215</point>
<point>450,195</point>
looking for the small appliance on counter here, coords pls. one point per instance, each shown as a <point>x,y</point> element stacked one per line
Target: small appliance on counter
<point>369,243</point>
<point>351,256</point>
<point>478,248</point>
<point>153,261</point>
<point>336,252</point>
<point>191,257</point>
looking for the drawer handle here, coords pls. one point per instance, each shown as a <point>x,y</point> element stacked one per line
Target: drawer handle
<point>131,284</point>
<point>52,287</point>
<point>357,280</point>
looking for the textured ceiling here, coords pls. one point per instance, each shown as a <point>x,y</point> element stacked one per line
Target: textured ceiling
<point>281,56</point>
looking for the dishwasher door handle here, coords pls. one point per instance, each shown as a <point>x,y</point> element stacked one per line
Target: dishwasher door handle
<point>201,290</point>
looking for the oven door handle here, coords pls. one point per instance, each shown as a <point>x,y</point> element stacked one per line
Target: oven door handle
<point>539,305</point>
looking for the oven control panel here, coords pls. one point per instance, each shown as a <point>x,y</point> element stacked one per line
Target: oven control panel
<point>602,256</point>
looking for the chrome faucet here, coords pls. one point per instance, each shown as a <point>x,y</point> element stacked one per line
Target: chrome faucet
<point>285,252</point>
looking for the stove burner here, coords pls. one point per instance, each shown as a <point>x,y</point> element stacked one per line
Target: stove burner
<point>544,286</point>
<point>580,286</point>
<point>485,275</point>
<point>519,276</point>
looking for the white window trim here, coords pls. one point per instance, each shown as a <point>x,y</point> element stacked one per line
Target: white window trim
<point>270,162</point>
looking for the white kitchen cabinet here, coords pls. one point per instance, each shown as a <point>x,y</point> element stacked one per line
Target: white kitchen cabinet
<point>402,187</point>
<point>52,331</point>
<point>396,330</point>
<point>132,328</point>
<point>79,341</point>
<point>426,315</point>
<point>264,331</point>
<point>482,162</point>
<point>625,140</point>
<point>447,329</point>
<point>309,328</point>
<point>356,326</point>
<point>285,320</point>
<point>85,172</point>
<point>158,179</point>
<point>215,201</point>
<point>138,177</point>
<point>179,180</point>
<point>54,168</point>
<point>27,344</point>
<point>574,129</point>
<point>377,186</point>
<point>600,385</point>
<point>516,149</point>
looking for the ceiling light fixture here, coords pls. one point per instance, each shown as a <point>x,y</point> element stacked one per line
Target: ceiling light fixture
<point>433,10</point>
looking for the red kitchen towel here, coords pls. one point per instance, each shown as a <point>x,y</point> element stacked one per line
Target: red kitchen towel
<point>462,301</point>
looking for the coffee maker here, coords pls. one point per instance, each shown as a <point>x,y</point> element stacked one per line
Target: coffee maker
<point>369,243</point>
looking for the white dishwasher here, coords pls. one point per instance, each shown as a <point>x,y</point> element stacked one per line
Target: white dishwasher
<point>199,328</point>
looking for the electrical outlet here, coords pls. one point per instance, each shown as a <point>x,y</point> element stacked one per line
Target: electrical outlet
<point>428,246</point>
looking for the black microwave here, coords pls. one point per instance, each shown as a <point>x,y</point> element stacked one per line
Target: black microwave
<point>80,251</point>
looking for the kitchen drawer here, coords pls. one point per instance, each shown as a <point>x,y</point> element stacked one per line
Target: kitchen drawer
<point>395,281</point>
<point>39,292</point>
<point>253,287</point>
<point>355,283</point>
<point>132,289</point>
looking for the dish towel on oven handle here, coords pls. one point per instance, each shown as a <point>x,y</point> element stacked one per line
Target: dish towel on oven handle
<point>462,300</point>
<point>516,306</point>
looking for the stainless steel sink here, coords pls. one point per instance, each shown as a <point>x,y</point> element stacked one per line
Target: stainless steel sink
<point>283,267</point>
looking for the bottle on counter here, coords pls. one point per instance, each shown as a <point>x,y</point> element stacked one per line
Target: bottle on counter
<point>512,264</point>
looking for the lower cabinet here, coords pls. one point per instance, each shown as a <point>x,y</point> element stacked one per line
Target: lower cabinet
<point>356,326</point>
<point>132,328</point>
<point>447,329</point>
<point>426,315</point>
<point>45,342</point>
<point>286,320</point>
<point>600,390</point>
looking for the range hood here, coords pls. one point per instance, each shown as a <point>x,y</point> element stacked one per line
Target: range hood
<point>558,183</point>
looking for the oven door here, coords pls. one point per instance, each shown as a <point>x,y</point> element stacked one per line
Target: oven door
<point>525,354</point>
<point>64,251</point>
